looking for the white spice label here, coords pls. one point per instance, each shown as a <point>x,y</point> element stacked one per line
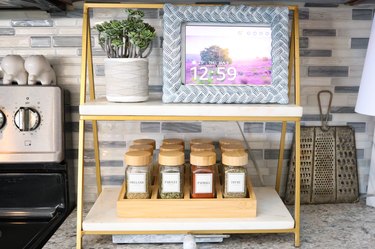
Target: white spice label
<point>203,183</point>
<point>235,182</point>
<point>171,183</point>
<point>136,183</point>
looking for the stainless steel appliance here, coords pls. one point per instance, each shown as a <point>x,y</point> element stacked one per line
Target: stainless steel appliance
<point>36,184</point>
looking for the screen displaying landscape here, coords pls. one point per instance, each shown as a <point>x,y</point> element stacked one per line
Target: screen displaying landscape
<point>227,55</point>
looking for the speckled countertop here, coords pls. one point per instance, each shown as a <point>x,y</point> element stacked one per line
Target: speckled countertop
<point>322,226</point>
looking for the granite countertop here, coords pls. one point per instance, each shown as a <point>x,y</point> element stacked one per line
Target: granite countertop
<point>322,226</point>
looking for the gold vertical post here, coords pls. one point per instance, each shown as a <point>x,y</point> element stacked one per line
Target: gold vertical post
<point>281,156</point>
<point>92,97</point>
<point>297,88</point>
<point>297,204</point>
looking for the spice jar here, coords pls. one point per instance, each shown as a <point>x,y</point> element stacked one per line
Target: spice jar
<point>200,141</point>
<point>203,174</point>
<point>232,147</point>
<point>171,147</point>
<point>226,141</point>
<point>202,147</point>
<point>142,147</point>
<point>235,174</point>
<point>171,175</point>
<point>138,176</point>
<point>174,141</point>
<point>145,141</point>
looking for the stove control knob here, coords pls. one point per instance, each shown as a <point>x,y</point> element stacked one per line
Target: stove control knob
<point>2,120</point>
<point>27,119</point>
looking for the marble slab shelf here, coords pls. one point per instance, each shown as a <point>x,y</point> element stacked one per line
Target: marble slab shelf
<point>271,215</point>
<point>155,107</point>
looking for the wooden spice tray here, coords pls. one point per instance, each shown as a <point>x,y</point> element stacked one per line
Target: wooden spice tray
<point>188,207</point>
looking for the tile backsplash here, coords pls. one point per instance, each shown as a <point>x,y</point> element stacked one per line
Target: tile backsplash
<point>333,46</point>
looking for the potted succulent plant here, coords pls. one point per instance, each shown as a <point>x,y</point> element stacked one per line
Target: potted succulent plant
<point>127,43</point>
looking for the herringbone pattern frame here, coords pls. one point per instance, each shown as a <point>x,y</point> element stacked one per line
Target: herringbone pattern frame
<point>175,91</point>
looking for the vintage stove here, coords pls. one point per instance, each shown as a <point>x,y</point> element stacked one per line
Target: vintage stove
<point>36,183</point>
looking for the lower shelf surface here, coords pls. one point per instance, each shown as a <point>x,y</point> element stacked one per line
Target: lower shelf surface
<point>271,215</point>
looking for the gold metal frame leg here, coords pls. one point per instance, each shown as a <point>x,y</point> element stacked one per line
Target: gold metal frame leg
<point>281,157</point>
<point>80,182</point>
<point>297,204</point>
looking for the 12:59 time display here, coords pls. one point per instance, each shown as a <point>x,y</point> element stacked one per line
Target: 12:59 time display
<point>203,73</point>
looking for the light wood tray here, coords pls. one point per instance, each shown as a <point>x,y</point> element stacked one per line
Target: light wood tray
<point>187,207</point>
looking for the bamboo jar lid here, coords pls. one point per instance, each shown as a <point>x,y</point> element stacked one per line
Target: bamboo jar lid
<point>235,158</point>
<point>171,147</point>
<point>232,147</point>
<point>145,141</point>
<point>202,147</point>
<point>202,158</point>
<point>138,158</point>
<point>200,141</point>
<point>142,147</point>
<point>225,141</point>
<point>173,141</point>
<point>171,158</point>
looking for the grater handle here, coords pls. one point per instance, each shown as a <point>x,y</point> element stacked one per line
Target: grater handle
<point>325,117</point>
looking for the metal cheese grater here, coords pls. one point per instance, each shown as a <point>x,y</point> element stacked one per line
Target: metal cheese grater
<point>328,163</point>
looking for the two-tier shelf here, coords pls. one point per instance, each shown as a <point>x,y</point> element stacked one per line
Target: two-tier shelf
<point>272,215</point>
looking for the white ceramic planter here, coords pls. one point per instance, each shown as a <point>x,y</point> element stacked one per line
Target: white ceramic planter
<point>126,79</point>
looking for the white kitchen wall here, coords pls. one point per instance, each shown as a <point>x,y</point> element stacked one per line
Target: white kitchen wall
<point>333,45</point>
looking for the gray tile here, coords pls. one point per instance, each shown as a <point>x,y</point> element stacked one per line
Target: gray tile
<point>113,180</point>
<point>346,89</point>
<point>112,144</point>
<point>328,71</point>
<point>313,117</point>
<point>303,14</point>
<point>321,5</point>
<point>315,53</point>
<point>360,153</point>
<point>362,14</point>
<point>359,43</point>
<point>357,126</point>
<point>95,52</point>
<point>319,32</point>
<point>273,154</point>
<point>150,127</point>
<point>155,89</point>
<point>32,23</point>
<point>40,41</point>
<point>273,127</point>
<point>342,109</point>
<point>303,42</point>
<point>258,154</point>
<point>7,31</point>
<point>181,127</point>
<point>99,70</point>
<point>253,127</point>
<point>68,41</point>
<point>105,163</point>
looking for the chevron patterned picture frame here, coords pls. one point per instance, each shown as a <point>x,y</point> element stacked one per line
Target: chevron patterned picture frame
<point>219,71</point>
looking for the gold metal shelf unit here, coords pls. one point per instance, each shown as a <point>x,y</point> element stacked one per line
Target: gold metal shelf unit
<point>94,110</point>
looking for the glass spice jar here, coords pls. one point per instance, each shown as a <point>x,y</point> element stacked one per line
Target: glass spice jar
<point>173,141</point>
<point>145,141</point>
<point>235,174</point>
<point>171,175</point>
<point>202,147</point>
<point>226,141</point>
<point>203,174</point>
<point>142,147</point>
<point>200,141</point>
<point>138,174</point>
<point>228,148</point>
<point>171,147</point>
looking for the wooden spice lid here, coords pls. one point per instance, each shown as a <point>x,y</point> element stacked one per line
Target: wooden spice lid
<point>138,158</point>
<point>173,141</point>
<point>202,147</point>
<point>234,158</point>
<point>145,147</point>
<point>232,147</point>
<point>145,141</point>
<point>224,141</point>
<point>203,158</point>
<point>171,158</point>
<point>200,141</point>
<point>171,147</point>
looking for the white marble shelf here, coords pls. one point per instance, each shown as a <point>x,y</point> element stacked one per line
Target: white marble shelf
<point>155,107</point>
<point>271,214</point>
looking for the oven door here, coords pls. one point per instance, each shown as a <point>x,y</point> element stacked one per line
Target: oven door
<point>32,205</point>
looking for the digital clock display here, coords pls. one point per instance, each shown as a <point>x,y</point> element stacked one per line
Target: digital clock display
<point>226,54</point>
